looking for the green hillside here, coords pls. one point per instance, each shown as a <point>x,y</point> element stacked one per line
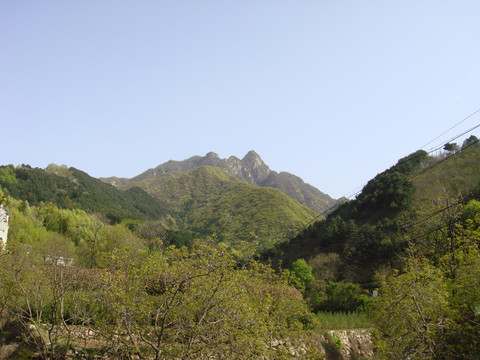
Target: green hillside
<point>70,284</point>
<point>247,212</point>
<point>404,256</point>
<point>71,188</point>
<point>183,191</point>
<point>251,169</point>
<point>371,230</point>
<point>205,200</point>
<point>453,173</point>
<point>211,202</point>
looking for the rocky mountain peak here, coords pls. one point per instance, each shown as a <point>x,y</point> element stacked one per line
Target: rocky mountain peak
<point>251,153</point>
<point>212,155</point>
<point>253,161</point>
<point>253,170</point>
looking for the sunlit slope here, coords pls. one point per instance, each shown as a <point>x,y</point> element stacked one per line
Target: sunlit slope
<point>212,202</point>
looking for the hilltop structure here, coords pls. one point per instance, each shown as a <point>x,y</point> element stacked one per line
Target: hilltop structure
<point>4,221</point>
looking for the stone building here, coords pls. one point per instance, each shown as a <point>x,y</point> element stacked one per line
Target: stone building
<point>4,220</point>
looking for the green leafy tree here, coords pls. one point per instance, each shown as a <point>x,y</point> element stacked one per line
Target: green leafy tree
<point>301,274</point>
<point>409,313</point>
<point>451,147</point>
<point>340,297</point>
<point>472,140</point>
<point>430,310</point>
<point>44,295</point>
<point>7,175</point>
<point>181,303</point>
<point>325,266</point>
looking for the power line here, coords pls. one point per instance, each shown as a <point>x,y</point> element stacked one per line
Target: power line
<point>438,147</point>
<point>416,237</point>
<point>428,216</point>
<point>454,126</point>
<point>446,158</point>
<point>355,192</point>
<point>358,190</point>
<point>415,222</point>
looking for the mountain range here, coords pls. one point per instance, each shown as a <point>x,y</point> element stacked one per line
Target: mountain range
<point>232,200</point>
<point>236,202</point>
<point>251,169</point>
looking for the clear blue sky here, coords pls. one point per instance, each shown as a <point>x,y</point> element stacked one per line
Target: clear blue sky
<point>332,91</point>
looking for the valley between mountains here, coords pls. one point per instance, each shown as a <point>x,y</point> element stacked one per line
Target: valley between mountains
<point>241,199</point>
<point>211,258</point>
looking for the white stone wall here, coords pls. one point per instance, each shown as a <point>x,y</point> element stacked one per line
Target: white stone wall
<point>3,228</point>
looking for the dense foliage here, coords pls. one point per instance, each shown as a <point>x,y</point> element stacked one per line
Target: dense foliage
<point>70,188</point>
<point>362,231</point>
<point>139,287</point>
<point>211,202</point>
<point>370,233</point>
<point>431,309</point>
<point>72,282</point>
<point>205,201</point>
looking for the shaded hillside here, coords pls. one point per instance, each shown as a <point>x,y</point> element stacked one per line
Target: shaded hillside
<point>250,169</point>
<point>71,188</point>
<point>210,201</point>
<point>370,230</point>
<point>205,200</point>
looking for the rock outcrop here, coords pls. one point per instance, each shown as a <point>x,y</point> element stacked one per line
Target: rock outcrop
<point>352,344</point>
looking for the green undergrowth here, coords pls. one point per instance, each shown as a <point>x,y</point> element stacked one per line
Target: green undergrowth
<point>342,321</point>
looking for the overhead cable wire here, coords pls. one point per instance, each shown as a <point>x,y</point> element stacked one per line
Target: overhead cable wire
<point>454,126</point>
<point>413,239</point>
<point>438,147</point>
<point>359,189</point>
<point>431,231</point>
<point>414,222</point>
<point>445,159</point>
<point>355,192</point>
<point>325,212</point>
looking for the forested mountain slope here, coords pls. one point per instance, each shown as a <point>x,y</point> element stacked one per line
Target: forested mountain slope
<point>71,188</point>
<point>250,169</point>
<point>210,201</point>
<point>406,249</point>
<point>73,286</point>
<point>205,200</point>
<point>371,229</point>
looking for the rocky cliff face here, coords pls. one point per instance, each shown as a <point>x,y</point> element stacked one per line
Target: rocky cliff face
<point>254,171</point>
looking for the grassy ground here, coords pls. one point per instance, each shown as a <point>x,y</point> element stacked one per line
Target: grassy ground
<point>345,335</point>
<point>342,321</point>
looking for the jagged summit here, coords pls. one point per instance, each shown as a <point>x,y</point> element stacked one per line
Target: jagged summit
<point>212,155</point>
<point>252,169</point>
<point>251,154</point>
<point>253,160</point>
